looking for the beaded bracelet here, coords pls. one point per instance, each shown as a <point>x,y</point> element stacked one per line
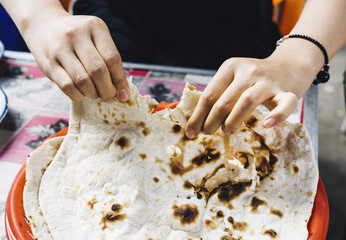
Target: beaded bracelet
<point>323,75</point>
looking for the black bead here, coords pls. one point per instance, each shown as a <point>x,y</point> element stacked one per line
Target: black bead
<point>323,77</point>
<point>315,82</point>
<point>325,68</point>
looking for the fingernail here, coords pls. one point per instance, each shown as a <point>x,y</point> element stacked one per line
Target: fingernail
<point>227,131</point>
<point>123,96</point>
<point>269,122</point>
<point>190,133</point>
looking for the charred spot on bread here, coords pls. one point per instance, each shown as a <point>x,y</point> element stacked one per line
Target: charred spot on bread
<point>186,213</point>
<point>176,128</point>
<point>272,233</point>
<point>228,192</point>
<point>123,142</point>
<point>276,212</point>
<point>255,203</point>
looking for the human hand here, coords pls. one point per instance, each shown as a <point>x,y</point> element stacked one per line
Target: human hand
<point>242,84</point>
<point>79,55</point>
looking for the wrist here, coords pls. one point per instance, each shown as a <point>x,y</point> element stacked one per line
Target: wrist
<point>305,56</point>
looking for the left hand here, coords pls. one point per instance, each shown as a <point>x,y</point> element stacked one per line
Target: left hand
<point>242,84</point>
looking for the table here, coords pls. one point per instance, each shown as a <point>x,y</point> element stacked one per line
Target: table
<point>38,109</point>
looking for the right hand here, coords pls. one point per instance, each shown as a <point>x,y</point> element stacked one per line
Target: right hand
<point>79,55</point>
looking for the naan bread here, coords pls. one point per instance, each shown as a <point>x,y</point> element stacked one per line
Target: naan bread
<point>124,173</point>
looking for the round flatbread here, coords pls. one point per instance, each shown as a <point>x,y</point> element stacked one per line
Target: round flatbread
<point>124,173</point>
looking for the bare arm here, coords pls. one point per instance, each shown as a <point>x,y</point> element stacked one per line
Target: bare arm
<point>76,52</point>
<point>241,84</point>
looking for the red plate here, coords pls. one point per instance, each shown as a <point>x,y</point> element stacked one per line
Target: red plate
<point>18,229</point>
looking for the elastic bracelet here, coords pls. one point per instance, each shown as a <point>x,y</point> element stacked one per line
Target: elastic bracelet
<point>323,75</point>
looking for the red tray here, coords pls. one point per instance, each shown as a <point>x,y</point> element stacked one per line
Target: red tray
<point>18,229</point>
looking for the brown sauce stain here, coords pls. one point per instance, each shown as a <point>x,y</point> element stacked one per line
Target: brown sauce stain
<point>104,116</point>
<point>176,128</point>
<point>229,192</point>
<point>106,121</point>
<point>271,233</point>
<point>155,179</point>
<point>255,203</point>
<point>276,212</point>
<point>123,142</point>
<point>186,213</point>
<point>143,155</point>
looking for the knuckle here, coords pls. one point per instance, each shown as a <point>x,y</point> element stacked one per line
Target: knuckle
<point>223,107</point>
<point>248,98</point>
<point>98,70</point>
<point>208,99</point>
<point>95,21</point>
<point>231,62</point>
<point>82,80</point>
<point>67,88</point>
<point>112,58</point>
<point>71,32</point>
<point>254,71</point>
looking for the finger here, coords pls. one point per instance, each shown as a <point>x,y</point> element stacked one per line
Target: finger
<point>65,83</point>
<point>211,94</point>
<point>72,65</point>
<point>96,68</point>
<point>223,107</point>
<point>286,103</point>
<point>108,51</point>
<point>246,104</point>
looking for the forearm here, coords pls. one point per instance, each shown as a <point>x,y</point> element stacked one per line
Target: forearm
<point>26,12</point>
<point>322,20</point>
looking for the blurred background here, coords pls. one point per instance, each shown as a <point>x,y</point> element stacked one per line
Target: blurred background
<point>332,145</point>
<point>332,141</point>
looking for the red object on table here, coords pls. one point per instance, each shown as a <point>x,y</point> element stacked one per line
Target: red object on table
<point>18,229</point>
